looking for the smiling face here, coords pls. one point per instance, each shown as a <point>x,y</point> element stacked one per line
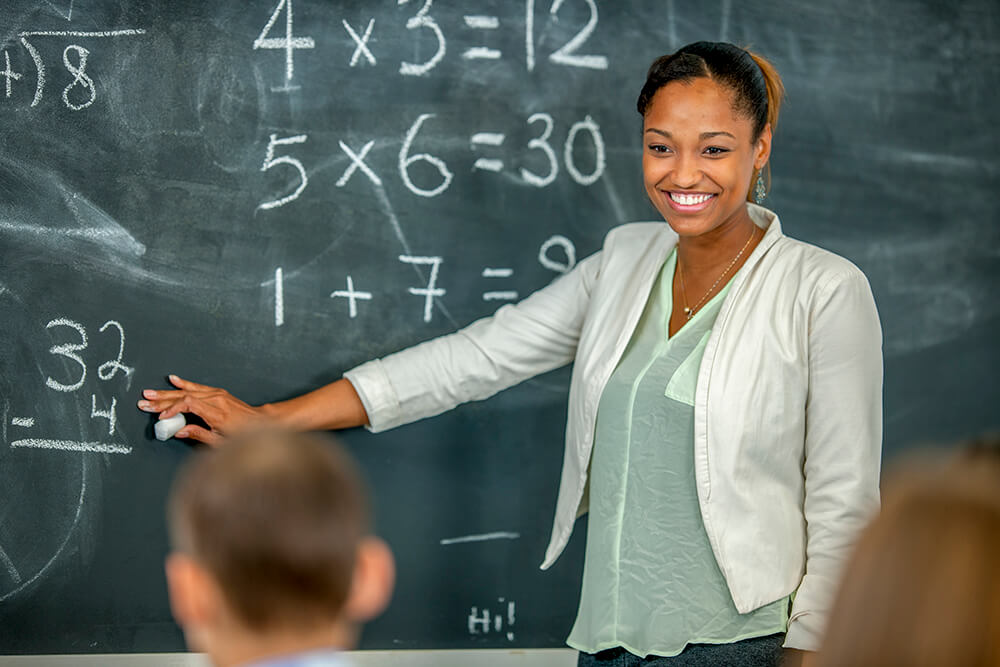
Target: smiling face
<point>699,156</point>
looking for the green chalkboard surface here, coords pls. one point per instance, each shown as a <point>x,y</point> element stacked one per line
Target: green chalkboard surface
<point>261,194</point>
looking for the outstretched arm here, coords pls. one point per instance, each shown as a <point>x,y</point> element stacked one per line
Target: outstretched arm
<point>333,406</point>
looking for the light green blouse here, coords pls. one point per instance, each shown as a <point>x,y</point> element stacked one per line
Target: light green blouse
<point>650,581</point>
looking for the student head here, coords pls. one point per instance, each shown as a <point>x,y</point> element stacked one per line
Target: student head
<point>271,551</point>
<point>923,585</point>
<point>709,111</point>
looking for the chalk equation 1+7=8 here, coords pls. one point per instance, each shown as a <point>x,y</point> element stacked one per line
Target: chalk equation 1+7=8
<point>431,290</point>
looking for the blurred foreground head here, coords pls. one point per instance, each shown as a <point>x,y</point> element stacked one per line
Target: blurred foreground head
<point>270,538</point>
<point>923,585</point>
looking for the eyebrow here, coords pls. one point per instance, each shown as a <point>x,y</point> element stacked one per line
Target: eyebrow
<point>703,136</point>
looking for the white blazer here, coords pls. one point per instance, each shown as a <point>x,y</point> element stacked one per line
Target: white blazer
<point>788,407</point>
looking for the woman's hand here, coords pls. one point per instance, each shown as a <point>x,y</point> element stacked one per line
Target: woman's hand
<point>220,410</point>
<point>333,406</point>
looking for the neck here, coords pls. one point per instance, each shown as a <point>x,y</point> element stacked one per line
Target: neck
<point>707,252</point>
<point>234,647</point>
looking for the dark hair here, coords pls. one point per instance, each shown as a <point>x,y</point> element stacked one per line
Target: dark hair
<point>756,86</point>
<point>276,518</point>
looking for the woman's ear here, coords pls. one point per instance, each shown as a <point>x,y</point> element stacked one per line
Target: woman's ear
<point>762,149</point>
<point>372,582</point>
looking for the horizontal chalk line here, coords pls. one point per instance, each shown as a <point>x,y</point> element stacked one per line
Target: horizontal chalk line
<point>481,538</point>
<point>497,273</point>
<point>27,422</point>
<point>488,165</point>
<point>488,138</point>
<point>499,296</point>
<point>77,33</point>
<point>481,53</point>
<point>482,22</point>
<point>72,446</point>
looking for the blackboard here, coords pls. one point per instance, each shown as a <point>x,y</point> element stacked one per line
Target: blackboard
<point>262,194</point>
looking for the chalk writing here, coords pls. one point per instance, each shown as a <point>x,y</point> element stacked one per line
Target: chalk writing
<point>80,77</point>
<point>567,55</point>
<point>279,297</point>
<point>76,69</point>
<point>106,372</point>
<point>67,14</point>
<point>431,290</point>
<point>358,162</point>
<point>289,43</point>
<point>483,622</point>
<point>72,446</point>
<point>555,265</point>
<point>499,295</point>
<point>362,43</point>
<point>406,161</point>
<point>109,369</point>
<point>590,126</point>
<point>488,139</point>
<point>8,74</point>
<point>352,296</point>
<point>424,20</point>
<point>69,351</point>
<point>482,52</point>
<point>108,414</point>
<point>271,161</point>
<point>485,537</point>
<point>542,143</point>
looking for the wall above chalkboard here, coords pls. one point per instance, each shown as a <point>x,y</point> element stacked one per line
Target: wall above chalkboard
<point>262,194</point>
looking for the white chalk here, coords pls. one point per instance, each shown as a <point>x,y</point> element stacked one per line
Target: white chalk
<point>166,428</point>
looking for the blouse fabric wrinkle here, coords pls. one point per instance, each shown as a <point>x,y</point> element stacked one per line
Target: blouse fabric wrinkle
<point>787,414</point>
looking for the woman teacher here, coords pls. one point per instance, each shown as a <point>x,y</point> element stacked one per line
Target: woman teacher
<point>725,405</point>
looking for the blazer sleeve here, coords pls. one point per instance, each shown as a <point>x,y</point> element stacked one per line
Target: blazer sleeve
<point>517,342</point>
<point>843,442</point>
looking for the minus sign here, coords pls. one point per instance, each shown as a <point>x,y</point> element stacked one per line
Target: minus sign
<point>284,89</point>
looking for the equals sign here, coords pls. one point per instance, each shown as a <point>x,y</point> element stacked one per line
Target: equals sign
<point>482,23</point>
<point>505,295</point>
<point>488,139</point>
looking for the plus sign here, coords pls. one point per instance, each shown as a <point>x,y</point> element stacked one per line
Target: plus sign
<point>352,296</point>
<point>8,73</point>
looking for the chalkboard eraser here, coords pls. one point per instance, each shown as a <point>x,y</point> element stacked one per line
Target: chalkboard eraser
<point>166,428</point>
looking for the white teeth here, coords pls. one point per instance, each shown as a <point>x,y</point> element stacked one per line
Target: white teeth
<point>689,200</point>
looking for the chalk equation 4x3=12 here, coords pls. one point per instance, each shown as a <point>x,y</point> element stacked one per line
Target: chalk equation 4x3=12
<point>81,92</point>
<point>424,22</point>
